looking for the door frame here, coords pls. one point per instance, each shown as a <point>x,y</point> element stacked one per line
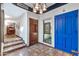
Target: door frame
<point>29,29</point>
<point>1,30</point>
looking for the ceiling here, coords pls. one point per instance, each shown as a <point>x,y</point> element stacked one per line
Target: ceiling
<point>31,4</point>
<point>12,11</point>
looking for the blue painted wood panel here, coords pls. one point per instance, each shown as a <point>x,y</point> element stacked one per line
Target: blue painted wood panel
<point>66,31</point>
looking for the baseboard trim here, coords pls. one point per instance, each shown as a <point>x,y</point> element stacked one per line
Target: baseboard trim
<point>45,44</point>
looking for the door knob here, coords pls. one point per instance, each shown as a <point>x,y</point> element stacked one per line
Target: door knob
<point>35,33</point>
<point>73,51</point>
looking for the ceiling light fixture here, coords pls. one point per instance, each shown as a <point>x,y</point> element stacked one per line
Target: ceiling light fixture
<point>39,7</point>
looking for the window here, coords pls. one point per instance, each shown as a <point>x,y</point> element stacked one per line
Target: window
<point>47,32</point>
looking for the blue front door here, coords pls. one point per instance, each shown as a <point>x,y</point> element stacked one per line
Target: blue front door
<point>66,31</point>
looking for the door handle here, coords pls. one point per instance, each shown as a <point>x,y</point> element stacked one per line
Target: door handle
<point>34,33</point>
<point>73,51</point>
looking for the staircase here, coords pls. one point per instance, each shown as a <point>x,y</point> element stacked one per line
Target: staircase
<point>13,45</point>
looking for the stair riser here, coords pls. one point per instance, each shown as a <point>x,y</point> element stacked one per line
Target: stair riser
<point>13,49</point>
<point>12,45</point>
<point>11,41</point>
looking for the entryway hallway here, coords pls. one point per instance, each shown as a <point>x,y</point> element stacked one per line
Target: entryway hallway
<point>52,33</point>
<point>37,50</point>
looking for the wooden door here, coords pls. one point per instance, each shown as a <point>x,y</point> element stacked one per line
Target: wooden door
<point>33,37</point>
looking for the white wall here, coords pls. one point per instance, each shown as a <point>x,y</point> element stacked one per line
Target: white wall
<point>23,27</point>
<point>51,14</point>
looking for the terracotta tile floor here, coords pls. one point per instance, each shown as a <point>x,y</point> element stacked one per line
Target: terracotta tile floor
<point>37,50</point>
